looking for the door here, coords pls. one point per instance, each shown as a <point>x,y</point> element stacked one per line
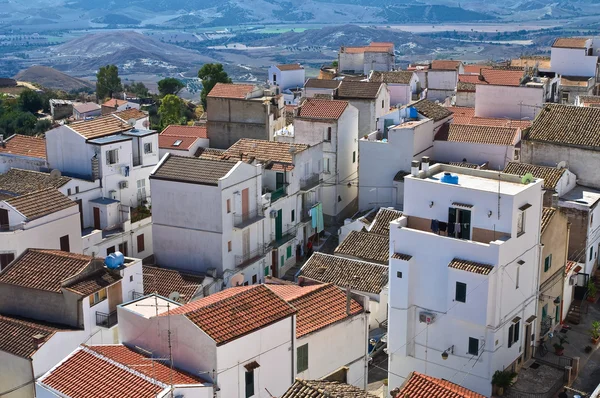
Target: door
<point>279,225</point>
<point>97,218</point>
<point>274,264</point>
<point>465,221</point>
<point>278,180</point>
<point>80,204</point>
<point>246,244</point>
<point>245,204</point>
<point>64,244</point>
<point>115,296</point>
<point>4,223</point>
<point>527,342</point>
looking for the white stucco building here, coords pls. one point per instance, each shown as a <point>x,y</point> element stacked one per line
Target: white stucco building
<point>372,99</point>
<point>23,152</point>
<point>404,86</point>
<point>362,60</point>
<point>480,282</point>
<point>182,140</point>
<point>441,79</point>
<point>289,78</point>
<point>575,56</point>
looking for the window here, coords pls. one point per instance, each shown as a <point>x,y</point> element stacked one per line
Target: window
<point>148,147</point>
<point>177,142</point>
<point>282,263</point>
<point>289,251</point>
<point>328,134</point>
<point>293,215</point>
<point>591,253</point>
<point>250,383</point>
<point>229,246</point>
<point>399,274</point>
<point>353,156</point>
<point>461,292</point>
<point>112,156</point>
<point>77,189</point>
<point>548,263</point>
<point>141,189</point>
<point>382,104</point>
<point>565,97</point>
<point>326,166</point>
<point>64,243</point>
<point>302,358</point>
<point>97,297</point>
<point>521,223</point>
<point>228,206</point>
<point>130,278</point>
<point>68,191</point>
<point>123,248</point>
<point>319,166</point>
<point>267,271</point>
<point>473,346</point>
<point>557,313</point>
<point>140,243</point>
<point>513,333</point>
<point>5,259</point>
<point>110,250</point>
<point>254,279</point>
<point>518,275</point>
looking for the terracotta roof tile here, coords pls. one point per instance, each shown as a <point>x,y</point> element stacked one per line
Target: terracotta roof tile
<point>367,49</point>
<point>465,164</point>
<point>176,142</point>
<point>19,181</point>
<point>209,153</point>
<point>314,108</point>
<point>99,127</point>
<point>324,389</point>
<point>589,99</point>
<point>185,131</point>
<point>464,115</point>
<point>23,145</point>
<point>576,81</point>
<point>445,65</point>
<point>265,151</point>
<point>478,134</point>
<point>166,281</point>
<point>471,266</point>
<point>570,42</point>
<point>132,113</point>
<point>570,266</point>
<point>43,269</point>
<point>431,110</point>
<point>540,62</point>
<point>381,224</point>
<point>475,69</point>
<point>114,103</point>
<point>322,83</point>
<point>466,87</point>
<point>192,170</point>
<point>396,77</point>
<point>17,334</point>
<point>40,203</point>
<point>361,275</point>
<point>365,246</point>
<point>400,256</point>
<point>547,215</point>
<point>422,386</point>
<point>229,90</point>
<point>358,89</point>
<point>244,310</point>
<point>550,175</point>
<point>86,107</point>
<point>567,125</point>
<point>291,291</point>
<point>94,282</point>
<point>496,77</point>
<point>285,67</point>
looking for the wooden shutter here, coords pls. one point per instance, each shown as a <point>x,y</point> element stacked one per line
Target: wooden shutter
<point>64,243</point>
<point>461,292</point>
<point>140,243</point>
<point>511,333</point>
<point>516,331</point>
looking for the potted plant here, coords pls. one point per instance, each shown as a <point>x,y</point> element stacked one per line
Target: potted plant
<point>592,291</point>
<point>501,380</point>
<point>595,332</point>
<point>588,349</point>
<point>559,348</point>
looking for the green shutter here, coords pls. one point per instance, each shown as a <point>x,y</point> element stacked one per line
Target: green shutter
<point>557,314</point>
<point>293,215</point>
<point>547,264</point>
<point>473,346</point>
<point>511,334</point>
<point>289,251</point>
<point>282,261</point>
<point>544,311</point>
<point>461,292</point>
<point>516,331</point>
<point>354,157</point>
<point>302,358</point>
<point>267,271</point>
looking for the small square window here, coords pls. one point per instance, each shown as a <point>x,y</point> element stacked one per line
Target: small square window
<point>399,274</point>
<point>131,278</point>
<point>112,156</point>
<point>69,192</point>
<point>228,206</point>
<point>254,279</point>
<point>148,147</point>
<point>77,189</point>
<point>473,346</point>
<point>293,215</point>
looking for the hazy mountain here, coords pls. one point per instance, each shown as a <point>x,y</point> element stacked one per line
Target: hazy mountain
<point>51,78</point>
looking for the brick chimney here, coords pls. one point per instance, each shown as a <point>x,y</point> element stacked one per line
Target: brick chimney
<point>38,340</point>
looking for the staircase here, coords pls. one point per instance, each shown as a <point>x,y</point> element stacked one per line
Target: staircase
<point>574,314</point>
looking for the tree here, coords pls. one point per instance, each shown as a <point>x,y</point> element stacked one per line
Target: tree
<point>30,101</point>
<point>171,110</point>
<point>211,74</point>
<point>108,82</point>
<point>169,85</point>
<point>138,89</point>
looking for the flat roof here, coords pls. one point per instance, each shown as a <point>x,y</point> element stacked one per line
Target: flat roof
<point>110,139</point>
<point>147,306</point>
<point>104,201</point>
<point>582,196</point>
<point>139,132</point>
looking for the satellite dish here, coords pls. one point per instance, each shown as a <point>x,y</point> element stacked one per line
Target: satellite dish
<point>146,123</point>
<point>132,122</point>
<point>562,164</point>
<point>55,173</point>
<point>292,149</point>
<point>527,178</point>
<point>174,296</point>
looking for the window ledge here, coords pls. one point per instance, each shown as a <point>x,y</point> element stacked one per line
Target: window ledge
<point>520,234</point>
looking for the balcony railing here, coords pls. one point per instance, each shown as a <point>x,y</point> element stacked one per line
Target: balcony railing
<point>241,220</point>
<point>285,237</point>
<point>250,257</point>
<point>305,216</point>
<point>14,227</point>
<point>545,325</point>
<point>279,193</point>
<point>106,320</point>
<point>310,182</point>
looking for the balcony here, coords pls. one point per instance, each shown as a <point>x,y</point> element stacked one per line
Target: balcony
<point>279,193</point>
<point>305,215</point>
<point>242,220</point>
<point>106,320</point>
<point>250,257</point>
<point>137,161</point>
<point>310,182</point>
<point>285,237</point>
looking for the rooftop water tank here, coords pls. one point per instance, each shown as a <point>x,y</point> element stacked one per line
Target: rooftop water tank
<point>412,113</point>
<point>114,260</point>
<point>448,178</point>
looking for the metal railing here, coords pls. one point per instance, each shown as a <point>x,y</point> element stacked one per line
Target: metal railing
<point>14,227</point>
<point>250,257</point>
<point>247,218</point>
<point>545,325</point>
<point>310,182</point>
<point>286,236</point>
<point>551,359</point>
<point>106,320</point>
<point>136,295</point>
<point>279,193</point>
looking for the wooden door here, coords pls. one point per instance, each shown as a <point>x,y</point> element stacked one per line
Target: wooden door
<point>245,203</point>
<point>274,264</point>
<point>115,296</point>
<point>97,218</point>
<point>246,243</point>
<point>80,204</point>
<point>279,225</point>
<point>527,342</point>
<point>4,223</point>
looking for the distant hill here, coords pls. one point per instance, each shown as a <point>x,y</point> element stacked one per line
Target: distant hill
<point>116,19</point>
<point>51,78</point>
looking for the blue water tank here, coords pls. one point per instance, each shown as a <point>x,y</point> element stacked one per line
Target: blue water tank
<point>114,260</point>
<point>412,113</point>
<point>450,179</point>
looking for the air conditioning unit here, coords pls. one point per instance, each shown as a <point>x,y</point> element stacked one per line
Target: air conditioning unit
<point>517,155</point>
<point>123,184</point>
<point>572,280</point>
<point>426,317</point>
<point>112,194</point>
<point>273,214</point>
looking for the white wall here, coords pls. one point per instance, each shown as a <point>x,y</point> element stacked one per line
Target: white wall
<point>442,80</point>
<point>465,98</point>
<point>286,79</point>
<point>450,151</point>
<point>9,161</point>
<point>16,371</point>
<point>400,94</point>
<point>508,101</point>
<point>351,62</point>
<point>67,151</point>
<point>573,61</point>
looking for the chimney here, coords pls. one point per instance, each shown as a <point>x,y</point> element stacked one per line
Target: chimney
<point>414,168</point>
<point>480,77</point>
<point>348,298</point>
<point>555,201</point>
<point>425,163</point>
<point>38,340</point>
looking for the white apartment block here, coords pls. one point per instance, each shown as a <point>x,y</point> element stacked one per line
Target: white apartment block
<point>464,257</point>
<point>362,60</point>
<point>23,152</point>
<point>575,56</point>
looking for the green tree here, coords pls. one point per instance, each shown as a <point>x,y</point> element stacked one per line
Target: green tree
<point>108,82</point>
<point>211,74</point>
<point>169,85</point>
<point>30,101</point>
<point>43,125</point>
<point>171,110</point>
<point>138,89</point>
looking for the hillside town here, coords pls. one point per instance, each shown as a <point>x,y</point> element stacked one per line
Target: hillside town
<point>369,231</point>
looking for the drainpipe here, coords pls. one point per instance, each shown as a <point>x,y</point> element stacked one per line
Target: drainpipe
<point>293,349</point>
<point>565,262</point>
<point>366,320</point>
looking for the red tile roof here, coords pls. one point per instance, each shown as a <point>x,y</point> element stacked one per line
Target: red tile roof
<point>114,103</point>
<point>166,281</point>
<point>442,64</point>
<point>372,47</point>
<point>475,69</point>
<point>496,77</point>
<point>236,312</point>
<point>314,108</point>
<point>463,115</point>
<point>318,306</point>
<point>40,203</point>
<point>132,113</point>
<point>185,131</point>
<point>43,269</point>
<point>229,90</point>
<point>17,335</point>
<point>285,67</point>
<point>570,42</point>
<point>94,282</point>
<point>23,145</point>
<point>477,134</point>
<point>269,152</point>
<point>176,142</point>
<point>422,386</point>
